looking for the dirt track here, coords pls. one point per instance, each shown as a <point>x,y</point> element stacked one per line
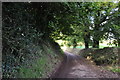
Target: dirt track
<point>74,66</point>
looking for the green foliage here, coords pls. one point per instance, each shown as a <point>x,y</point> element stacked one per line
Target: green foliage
<point>25,30</point>
<point>27,26</point>
<point>102,56</point>
<point>93,22</point>
<point>113,68</point>
<point>37,69</point>
<point>18,35</point>
<point>116,70</point>
<point>41,67</point>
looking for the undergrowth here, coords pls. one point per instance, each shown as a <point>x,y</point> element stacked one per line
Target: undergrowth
<point>34,70</point>
<point>107,57</point>
<point>43,66</point>
<point>113,68</point>
<point>102,56</point>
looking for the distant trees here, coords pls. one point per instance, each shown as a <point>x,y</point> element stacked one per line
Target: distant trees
<point>95,21</point>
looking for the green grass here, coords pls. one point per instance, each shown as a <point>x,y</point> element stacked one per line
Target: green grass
<point>100,46</point>
<point>40,67</point>
<point>116,70</point>
<point>112,68</point>
<point>35,70</point>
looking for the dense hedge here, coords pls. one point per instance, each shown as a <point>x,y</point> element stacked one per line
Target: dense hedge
<point>22,41</point>
<point>102,56</point>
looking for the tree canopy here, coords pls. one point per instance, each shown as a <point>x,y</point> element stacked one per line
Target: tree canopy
<point>95,22</point>
<point>79,21</point>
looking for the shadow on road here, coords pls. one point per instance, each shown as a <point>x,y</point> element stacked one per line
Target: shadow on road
<point>75,66</point>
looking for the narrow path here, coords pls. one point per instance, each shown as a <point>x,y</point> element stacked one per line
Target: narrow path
<point>74,66</point>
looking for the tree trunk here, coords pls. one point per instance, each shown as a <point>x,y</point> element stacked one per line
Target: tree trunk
<point>96,36</point>
<point>86,39</point>
<point>74,43</point>
<point>95,43</point>
<point>118,42</point>
<point>86,43</point>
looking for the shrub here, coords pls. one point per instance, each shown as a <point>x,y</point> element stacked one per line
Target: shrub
<point>102,56</point>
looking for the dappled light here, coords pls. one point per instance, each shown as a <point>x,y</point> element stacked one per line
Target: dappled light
<point>61,39</point>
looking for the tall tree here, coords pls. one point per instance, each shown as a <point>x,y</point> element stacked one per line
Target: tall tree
<point>103,13</point>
